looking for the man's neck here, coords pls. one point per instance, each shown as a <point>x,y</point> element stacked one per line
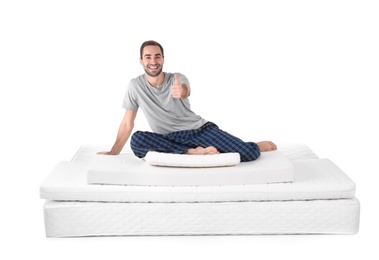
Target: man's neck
<point>157,81</point>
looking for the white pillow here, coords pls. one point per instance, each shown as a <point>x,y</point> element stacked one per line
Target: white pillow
<point>197,161</point>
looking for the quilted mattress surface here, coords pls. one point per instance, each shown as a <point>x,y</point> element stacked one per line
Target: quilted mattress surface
<point>67,219</point>
<point>314,178</point>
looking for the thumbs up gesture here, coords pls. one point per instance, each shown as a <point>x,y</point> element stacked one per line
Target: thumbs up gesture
<point>177,90</point>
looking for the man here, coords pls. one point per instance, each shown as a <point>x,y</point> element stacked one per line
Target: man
<point>163,97</point>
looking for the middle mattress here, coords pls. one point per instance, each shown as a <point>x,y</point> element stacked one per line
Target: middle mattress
<point>313,179</point>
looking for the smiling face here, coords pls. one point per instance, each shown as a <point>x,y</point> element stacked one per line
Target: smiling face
<point>152,60</point>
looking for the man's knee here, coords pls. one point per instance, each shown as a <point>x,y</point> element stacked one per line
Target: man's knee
<point>142,141</point>
<point>252,154</point>
<point>136,143</point>
<point>138,138</point>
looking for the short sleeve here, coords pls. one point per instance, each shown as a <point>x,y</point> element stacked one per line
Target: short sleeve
<point>183,79</point>
<point>130,101</point>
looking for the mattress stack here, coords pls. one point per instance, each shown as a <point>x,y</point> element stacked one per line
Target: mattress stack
<point>289,191</point>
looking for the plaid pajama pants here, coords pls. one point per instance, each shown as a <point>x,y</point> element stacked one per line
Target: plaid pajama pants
<point>179,142</point>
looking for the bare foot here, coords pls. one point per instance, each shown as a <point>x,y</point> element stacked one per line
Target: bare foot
<point>266,146</point>
<point>211,150</point>
<point>201,150</point>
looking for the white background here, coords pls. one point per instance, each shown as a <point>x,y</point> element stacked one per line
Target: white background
<point>287,71</point>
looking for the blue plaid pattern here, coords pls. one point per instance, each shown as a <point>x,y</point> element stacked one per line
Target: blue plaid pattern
<point>179,142</point>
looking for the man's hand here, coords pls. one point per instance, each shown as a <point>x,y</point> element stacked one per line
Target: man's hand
<point>178,90</point>
<point>104,153</point>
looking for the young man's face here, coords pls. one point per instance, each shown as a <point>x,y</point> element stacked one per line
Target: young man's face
<point>152,60</point>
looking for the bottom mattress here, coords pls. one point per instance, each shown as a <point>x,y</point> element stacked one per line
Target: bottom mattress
<point>71,219</point>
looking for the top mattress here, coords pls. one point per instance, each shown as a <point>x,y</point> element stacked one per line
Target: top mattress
<point>127,169</point>
<point>313,179</point>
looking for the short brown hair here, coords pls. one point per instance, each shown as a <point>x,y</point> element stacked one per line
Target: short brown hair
<point>151,43</point>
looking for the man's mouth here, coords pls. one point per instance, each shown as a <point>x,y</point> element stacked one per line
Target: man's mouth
<point>153,67</point>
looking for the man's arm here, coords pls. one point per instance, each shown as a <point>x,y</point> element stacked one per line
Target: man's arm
<point>124,131</point>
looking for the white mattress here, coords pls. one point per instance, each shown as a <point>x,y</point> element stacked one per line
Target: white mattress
<point>319,201</point>
<point>127,169</point>
<point>314,179</point>
<point>67,219</point>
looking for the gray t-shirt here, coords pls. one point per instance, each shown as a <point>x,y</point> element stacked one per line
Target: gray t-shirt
<point>164,113</point>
